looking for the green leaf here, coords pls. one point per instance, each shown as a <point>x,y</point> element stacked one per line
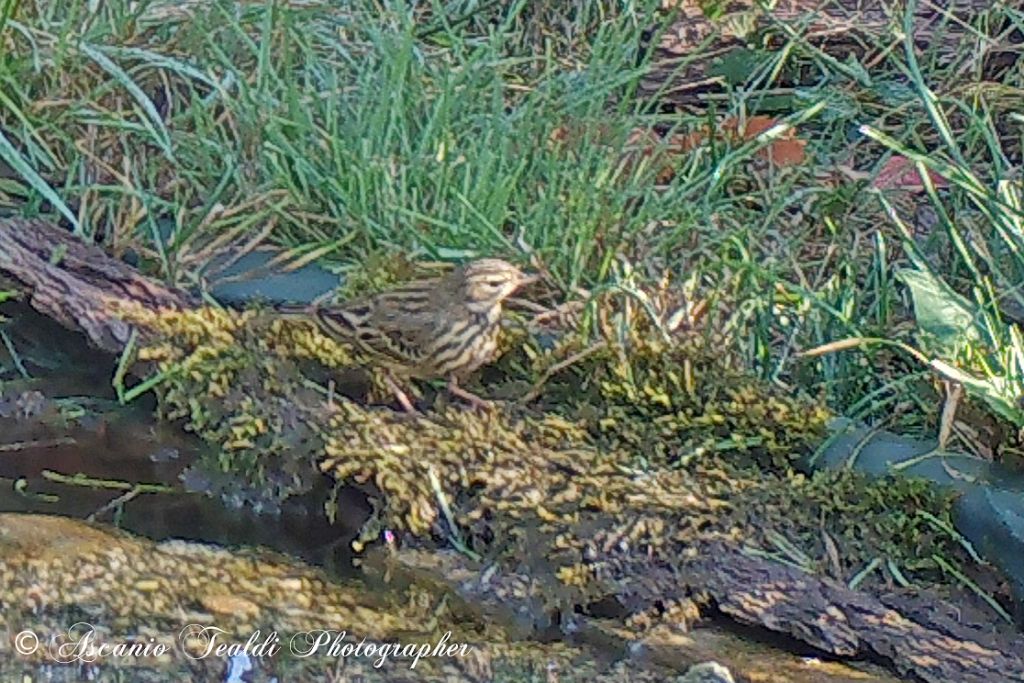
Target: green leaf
<point>942,315</point>
<point>737,65</point>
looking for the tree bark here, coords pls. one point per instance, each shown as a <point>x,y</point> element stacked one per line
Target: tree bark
<point>73,282</point>
<point>832,618</point>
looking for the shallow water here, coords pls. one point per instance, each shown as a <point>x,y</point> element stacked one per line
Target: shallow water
<point>50,436</point>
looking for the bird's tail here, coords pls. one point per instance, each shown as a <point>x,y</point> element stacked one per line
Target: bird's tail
<point>294,309</point>
<point>270,310</point>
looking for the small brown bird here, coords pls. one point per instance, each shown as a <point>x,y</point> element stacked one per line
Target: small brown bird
<point>444,327</point>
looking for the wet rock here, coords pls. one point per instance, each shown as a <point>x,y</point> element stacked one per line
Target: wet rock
<point>164,454</point>
<point>26,405</point>
<point>989,510</point>
<point>67,580</point>
<point>706,672</point>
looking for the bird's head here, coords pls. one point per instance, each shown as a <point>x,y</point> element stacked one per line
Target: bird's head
<point>488,282</point>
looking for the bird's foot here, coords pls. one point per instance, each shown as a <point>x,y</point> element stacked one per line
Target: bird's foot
<point>403,399</point>
<point>469,397</point>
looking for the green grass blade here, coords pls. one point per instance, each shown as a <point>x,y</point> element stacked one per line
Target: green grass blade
<point>13,158</point>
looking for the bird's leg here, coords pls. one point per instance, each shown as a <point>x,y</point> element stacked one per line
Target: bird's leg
<point>455,390</point>
<point>403,400</point>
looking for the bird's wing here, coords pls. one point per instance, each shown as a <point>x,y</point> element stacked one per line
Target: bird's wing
<point>402,326</point>
<point>403,334</point>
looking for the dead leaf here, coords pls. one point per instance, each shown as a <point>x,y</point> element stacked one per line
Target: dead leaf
<point>900,173</point>
<point>646,145</point>
<point>757,125</point>
<point>785,150</point>
<point>832,553</point>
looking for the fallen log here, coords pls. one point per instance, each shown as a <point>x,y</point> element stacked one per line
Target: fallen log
<point>76,284</point>
<point>837,621</point>
<point>73,282</point>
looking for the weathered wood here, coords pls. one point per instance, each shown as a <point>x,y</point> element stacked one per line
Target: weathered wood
<point>811,609</point>
<point>72,282</point>
<point>849,623</point>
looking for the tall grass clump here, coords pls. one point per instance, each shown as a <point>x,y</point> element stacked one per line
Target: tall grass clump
<point>354,132</point>
<point>359,129</point>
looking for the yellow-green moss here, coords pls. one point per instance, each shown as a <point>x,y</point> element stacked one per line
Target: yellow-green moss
<point>644,446</point>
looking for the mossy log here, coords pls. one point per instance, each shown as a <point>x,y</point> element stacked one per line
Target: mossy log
<point>74,282</point>
<point>79,285</point>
